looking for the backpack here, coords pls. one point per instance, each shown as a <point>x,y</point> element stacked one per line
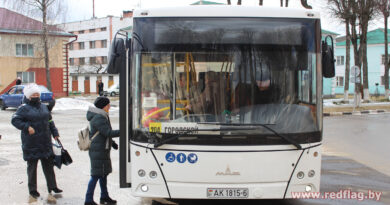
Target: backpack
<point>84,141</point>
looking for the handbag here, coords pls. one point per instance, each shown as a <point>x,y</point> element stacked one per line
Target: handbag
<point>57,155</point>
<point>65,156</point>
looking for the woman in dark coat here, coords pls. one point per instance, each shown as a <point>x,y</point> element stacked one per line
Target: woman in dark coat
<point>34,120</point>
<point>99,152</point>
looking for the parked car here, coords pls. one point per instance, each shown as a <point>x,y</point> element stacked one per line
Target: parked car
<point>112,91</point>
<point>14,97</point>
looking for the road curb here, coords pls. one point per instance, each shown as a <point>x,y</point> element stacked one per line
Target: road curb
<point>363,112</point>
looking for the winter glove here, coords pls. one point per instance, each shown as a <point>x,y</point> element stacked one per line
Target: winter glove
<point>114,145</point>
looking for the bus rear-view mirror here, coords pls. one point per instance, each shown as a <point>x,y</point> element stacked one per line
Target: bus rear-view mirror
<point>116,56</point>
<point>328,67</point>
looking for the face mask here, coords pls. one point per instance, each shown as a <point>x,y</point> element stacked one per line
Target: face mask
<point>34,101</point>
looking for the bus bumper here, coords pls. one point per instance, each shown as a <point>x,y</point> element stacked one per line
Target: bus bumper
<point>296,171</point>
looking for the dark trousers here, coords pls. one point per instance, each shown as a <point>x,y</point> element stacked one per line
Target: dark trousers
<point>92,185</point>
<point>48,170</point>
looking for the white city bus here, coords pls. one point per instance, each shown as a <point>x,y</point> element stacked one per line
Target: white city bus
<point>221,102</point>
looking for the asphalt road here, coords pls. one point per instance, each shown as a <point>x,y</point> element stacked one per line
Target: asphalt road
<point>355,156</point>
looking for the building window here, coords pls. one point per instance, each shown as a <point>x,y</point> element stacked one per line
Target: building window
<point>74,78</point>
<point>81,32</point>
<point>92,30</point>
<point>24,50</point>
<point>27,77</point>
<point>81,45</point>
<point>339,60</point>
<point>104,43</point>
<point>92,60</point>
<point>71,46</point>
<point>86,78</point>
<point>103,29</point>
<point>339,81</point>
<point>71,61</point>
<point>92,44</point>
<point>104,59</point>
<point>111,78</point>
<point>81,61</point>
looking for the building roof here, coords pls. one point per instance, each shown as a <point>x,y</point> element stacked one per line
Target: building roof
<point>376,36</point>
<point>326,32</point>
<point>202,2</point>
<point>12,22</point>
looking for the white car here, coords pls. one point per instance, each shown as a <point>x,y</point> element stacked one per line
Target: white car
<point>113,90</point>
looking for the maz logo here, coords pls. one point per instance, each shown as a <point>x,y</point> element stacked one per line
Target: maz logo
<point>227,172</point>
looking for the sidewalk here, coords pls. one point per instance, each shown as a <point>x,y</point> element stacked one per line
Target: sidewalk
<point>334,107</point>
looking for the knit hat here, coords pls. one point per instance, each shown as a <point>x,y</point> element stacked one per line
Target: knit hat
<point>30,89</point>
<point>101,102</point>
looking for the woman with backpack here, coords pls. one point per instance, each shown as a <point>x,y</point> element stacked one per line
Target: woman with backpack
<point>99,151</point>
<point>33,119</point>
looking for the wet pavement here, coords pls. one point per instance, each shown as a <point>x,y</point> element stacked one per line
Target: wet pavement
<point>356,156</point>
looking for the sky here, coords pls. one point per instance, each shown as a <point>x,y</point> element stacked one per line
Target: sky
<point>78,10</point>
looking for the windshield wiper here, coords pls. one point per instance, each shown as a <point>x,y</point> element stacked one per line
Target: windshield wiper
<point>291,141</point>
<point>158,144</point>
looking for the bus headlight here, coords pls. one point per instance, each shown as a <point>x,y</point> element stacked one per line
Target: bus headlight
<point>153,174</point>
<point>144,187</point>
<point>308,188</point>
<point>311,173</point>
<point>300,175</point>
<point>141,173</point>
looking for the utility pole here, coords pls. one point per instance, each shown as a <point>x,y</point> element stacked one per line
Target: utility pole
<point>93,8</point>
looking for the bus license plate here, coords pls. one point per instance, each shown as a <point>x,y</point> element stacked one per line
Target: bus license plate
<point>227,193</point>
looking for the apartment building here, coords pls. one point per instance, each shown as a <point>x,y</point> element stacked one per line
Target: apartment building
<point>22,54</point>
<point>88,54</point>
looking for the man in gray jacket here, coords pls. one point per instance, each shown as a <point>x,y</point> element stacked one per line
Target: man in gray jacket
<point>99,152</point>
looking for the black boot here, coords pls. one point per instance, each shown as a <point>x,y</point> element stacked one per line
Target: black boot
<point>90,203</point>
<point>107,200</point>
<point>34,194</point>
<point>55,190</point>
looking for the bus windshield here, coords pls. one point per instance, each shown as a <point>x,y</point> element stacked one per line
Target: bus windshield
<point>196,73</point>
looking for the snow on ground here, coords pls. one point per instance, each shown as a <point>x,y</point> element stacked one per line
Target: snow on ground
<point>330,102</point>
<point>80,103</point>
<point>334,102</point>
<point>71,104</point>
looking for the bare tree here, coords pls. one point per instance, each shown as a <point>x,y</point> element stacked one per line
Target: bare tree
<point>342,10</point>
<point>384,8</point>
<point>48,10</point>
<point>303,2</point>
<point>366,11</point>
